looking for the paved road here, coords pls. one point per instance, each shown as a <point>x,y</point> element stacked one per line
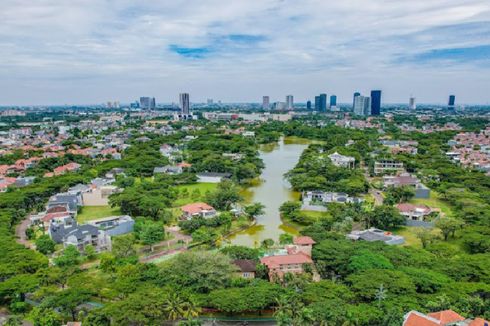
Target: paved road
<point>20,232</point>
<point>378,198</point>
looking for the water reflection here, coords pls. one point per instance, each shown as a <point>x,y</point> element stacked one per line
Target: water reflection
<point>272,190</point>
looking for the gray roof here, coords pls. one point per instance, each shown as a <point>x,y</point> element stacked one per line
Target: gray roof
<point>214,174</point>
<point>62,199</point>
<point>59,232</point>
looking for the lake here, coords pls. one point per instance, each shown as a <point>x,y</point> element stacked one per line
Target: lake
<point>272,191</point>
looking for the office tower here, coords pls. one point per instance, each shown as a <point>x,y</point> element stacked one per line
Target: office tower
<point>289,102</point>
<point>376,102</point>
<point>210,101</point>
<point>452,100</point>
<point>308,105</point>
<point>279,106</point>
<point>317,103</point>
<point>354,99</point>
<point>145,102</point>
<point>411,103</point>
<point>266,103</point>
<point>323,102</point>
<point>184,103</point>
<point>153,103</point>
<point>362,105</point>
<point>333,101</point>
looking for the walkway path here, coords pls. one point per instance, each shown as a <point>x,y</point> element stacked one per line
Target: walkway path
<point>20,232</point>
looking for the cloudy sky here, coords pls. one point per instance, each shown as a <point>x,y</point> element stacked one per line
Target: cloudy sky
<point>92,51</point>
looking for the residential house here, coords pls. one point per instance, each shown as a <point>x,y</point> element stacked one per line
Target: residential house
<point>317,200</point>
<point>5,182</point>
<point>401,146</point>
<point>342,160</point>
<point>191,211</point>
<point>114,225</point>
<point>246,268</point>
<point>441,318</point>
<point>70,201</point>
<point>414,212</point>
<point>70,167</point>
<point>69,232</point>
<point>212,177</point>
<point>405,179</point>
<point>292,260</point>
<point>387,166</point>
<point>373,234</point>
<point>168,169</point>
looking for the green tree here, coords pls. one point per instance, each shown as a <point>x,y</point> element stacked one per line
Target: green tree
<point>44,317</point>
<point>70,257</point>
<point>152,233</point>
<point>201,271</point>
<point>254,210</point>
<point>90,252</point>
<point>385,217</point>
<point>226,194</point>
<point>45,245</point>
<point>123,246</point>
<point>285,238</point>
<point>448,226</point>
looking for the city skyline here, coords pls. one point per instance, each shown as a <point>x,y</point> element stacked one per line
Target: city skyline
<point>89,52</point>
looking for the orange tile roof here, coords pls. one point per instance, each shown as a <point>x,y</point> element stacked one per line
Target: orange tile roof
<point>479,322</point>
<point>446,316</point>
<point>304,240</point>
<point>415,318</point>
<point>196,208</point>
<point>277,261</point>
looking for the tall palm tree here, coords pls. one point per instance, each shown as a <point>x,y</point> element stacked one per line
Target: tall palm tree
<point>174,307</point>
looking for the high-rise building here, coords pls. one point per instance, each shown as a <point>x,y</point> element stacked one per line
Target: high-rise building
<point>308,105</point>
<point>323,103</point>
<point>333,101</point>
<point>376,102</point>
<point>411,103</point>
<point>144,102</point>
<point>362,105</point>
<point>452,101</point>
<point>209,101</point>
<point>354,99</point>
<point>147,103</point>
<point>317,103</point>
<point>266,103</point>
<point>184,103</point>
<point>289,102</point>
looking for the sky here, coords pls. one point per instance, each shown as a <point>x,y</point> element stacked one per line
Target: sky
<point>94,51</point>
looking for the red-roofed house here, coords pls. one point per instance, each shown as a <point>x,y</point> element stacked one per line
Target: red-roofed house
<point>5,183</point>
<point>414,212</point>
<point>304,244</point>
<point>66,168</point>
<point>282,264</point>
<point>440,318</point>
<point>190,211</point>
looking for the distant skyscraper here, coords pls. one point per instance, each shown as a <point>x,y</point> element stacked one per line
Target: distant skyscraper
<point>323,102</point>
<point>375,102</point>
<point>452,101</point>
<point>289,102</point>
<point>317,103</point>
<point>308,105</point>
<point>184,103</point>
<point>362,105</point>
<point>145,102</point>
<point>266,103</point>
<point>209,101</point>
<point>354,99</point>
<point>333,101</point>
<point>411,103</point>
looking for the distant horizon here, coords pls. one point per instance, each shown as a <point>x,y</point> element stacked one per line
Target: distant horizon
<point>98,51</point>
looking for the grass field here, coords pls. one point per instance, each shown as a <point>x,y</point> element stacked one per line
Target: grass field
<point>409,233</point>
<point>191,188</point>
<point>89,213</point>
<point>435,202</point>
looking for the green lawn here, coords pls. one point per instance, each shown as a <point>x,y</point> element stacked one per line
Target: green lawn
<point>189,198</point>
<point>408,232</point>
<point>435,201</point>
<point>89,213</point>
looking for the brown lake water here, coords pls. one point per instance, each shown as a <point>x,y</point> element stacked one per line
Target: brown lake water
<point>272,191</point>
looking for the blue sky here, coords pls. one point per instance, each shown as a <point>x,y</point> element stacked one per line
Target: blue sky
<point>93,51</point>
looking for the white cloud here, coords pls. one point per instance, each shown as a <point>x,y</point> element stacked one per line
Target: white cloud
<point>87,51</point>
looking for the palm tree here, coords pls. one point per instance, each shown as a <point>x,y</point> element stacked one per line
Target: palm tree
<point>174,307</point>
